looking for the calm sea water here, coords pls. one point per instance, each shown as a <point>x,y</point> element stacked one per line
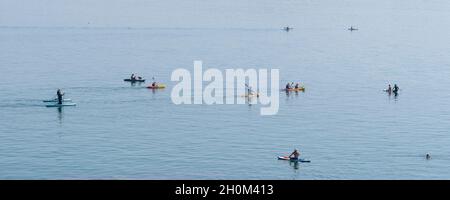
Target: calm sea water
<point>344,123</point>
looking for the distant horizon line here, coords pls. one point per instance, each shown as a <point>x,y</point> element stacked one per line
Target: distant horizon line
<point>133,27</point>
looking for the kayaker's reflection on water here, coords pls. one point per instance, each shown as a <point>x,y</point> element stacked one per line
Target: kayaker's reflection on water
<point>294,164</point>
<point>288,93</point>
<point>60,115</point>
<point>251,100</point>
<point>134,83</point>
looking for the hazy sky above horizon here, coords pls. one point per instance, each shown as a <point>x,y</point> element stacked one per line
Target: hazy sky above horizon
<point>141,13</point>
<point>196,13</point>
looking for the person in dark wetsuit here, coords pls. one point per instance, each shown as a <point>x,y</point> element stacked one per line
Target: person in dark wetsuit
<point>288,86</point>
<point>133,77</point>
<point>395,90</point>
<point>60,95</point>
<point>295,155</point>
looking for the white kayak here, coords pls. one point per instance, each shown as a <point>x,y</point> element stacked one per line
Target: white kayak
<point>292,159</point>
<point>62,105</point>
<point>56,100</point>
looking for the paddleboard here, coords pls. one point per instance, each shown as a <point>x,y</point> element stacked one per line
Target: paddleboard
<point>292,159</point>
<point>61,105</point>
<point>56,100</point>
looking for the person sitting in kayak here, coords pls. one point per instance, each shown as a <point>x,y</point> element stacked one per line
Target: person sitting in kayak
<point>395,88</point>
<point>154,84</point>
<point>297,86</point>
<point>295,154</point>
<point>133,77</point>
<point>288,86</point>
<point>60,95</point>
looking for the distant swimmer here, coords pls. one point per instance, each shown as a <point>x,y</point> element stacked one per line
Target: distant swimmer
<point>428,156</point>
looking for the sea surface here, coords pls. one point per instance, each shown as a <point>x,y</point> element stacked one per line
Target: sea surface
<point>344,122</point>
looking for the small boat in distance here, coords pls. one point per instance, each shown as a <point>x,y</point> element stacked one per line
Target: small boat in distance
<point>134,80</point>
<point>294,89</point>
<point>352,29</point>
<point>287,28</point>
<point>292,159</point>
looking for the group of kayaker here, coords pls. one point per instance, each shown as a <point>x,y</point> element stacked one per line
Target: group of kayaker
<point>134,77</point>
<point>291,86</point>
<point>394,89</point>
<point>153,85</point>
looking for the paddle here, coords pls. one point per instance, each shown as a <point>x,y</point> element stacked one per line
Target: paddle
<point>249,88</point>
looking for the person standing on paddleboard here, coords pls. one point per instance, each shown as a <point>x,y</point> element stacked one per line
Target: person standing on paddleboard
<point>60,95</point>
<point>389,88</point>
<point>295,155</point>
<point>396,88</point>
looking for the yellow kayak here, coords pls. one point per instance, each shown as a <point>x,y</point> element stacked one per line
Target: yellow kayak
<point>158,86</point>
<point>294,89</point>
